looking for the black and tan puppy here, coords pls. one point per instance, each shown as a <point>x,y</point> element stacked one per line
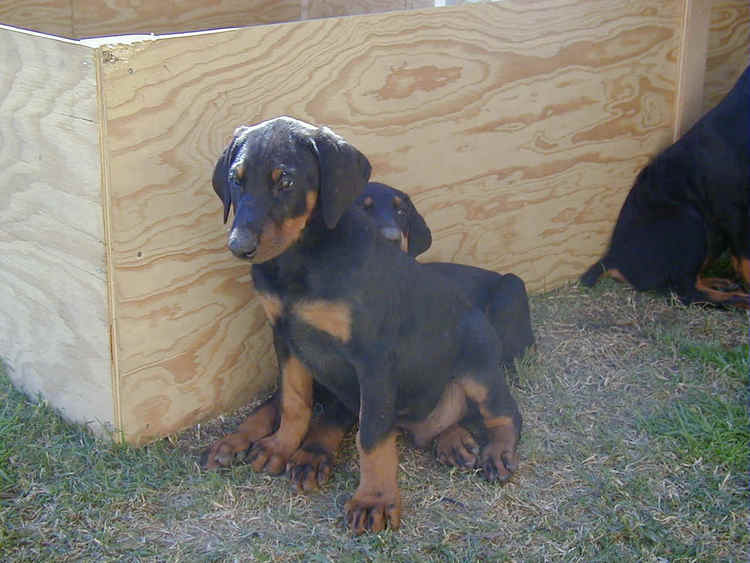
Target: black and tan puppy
<point>402,351</point>
<point>686,208</point>
<point>502,297</point>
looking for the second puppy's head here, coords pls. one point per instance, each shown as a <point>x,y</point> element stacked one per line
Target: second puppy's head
<point>396,217</point>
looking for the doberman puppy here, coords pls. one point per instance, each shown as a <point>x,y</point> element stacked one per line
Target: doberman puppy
<point>686,208</point>
<point>403,350</point>
<point>503,298</point>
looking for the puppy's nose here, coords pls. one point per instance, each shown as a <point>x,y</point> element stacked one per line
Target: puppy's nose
<point>392,234</point>
<point>243,243</point>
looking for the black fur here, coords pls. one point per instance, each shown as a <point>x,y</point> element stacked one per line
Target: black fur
<point>412,333</point>
<point>502,297</point>
<point>687,207</point>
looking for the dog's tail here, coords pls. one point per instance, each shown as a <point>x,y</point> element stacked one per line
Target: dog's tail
<point>591,276</point>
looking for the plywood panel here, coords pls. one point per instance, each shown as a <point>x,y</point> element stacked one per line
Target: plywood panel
<point>117,17</point>
<point>518,127</point>
<point>54,328</point>
<point>728,48</point>
<point>311,9</point>
<point>47,16</point>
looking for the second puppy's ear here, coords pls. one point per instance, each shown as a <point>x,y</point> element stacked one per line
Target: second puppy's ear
<point>419,237</point>
<point>344,172</point>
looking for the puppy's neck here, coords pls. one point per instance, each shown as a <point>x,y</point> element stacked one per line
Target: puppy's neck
<point>290,268</point>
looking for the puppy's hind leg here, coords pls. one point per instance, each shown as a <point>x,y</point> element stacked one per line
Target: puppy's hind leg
<point>501,419</point>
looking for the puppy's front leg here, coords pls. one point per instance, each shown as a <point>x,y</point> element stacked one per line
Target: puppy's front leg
<point>296,389</point>
<point>377,501</point>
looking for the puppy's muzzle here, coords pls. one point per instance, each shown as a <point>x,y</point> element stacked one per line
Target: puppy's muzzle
<point>392,234</point>
<point>243,243</point>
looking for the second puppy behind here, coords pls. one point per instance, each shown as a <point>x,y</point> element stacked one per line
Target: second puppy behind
<point>502,297</point>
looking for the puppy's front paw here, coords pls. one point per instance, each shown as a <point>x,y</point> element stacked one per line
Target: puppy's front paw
<point>373,511</point>
<point>498,462</point>
<point>269,455</point>
<point>227,451</point>
<point>310,468</point>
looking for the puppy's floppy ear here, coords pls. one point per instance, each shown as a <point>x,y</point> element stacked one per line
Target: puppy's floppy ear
<point>344,172</point>
<point>419,237</point>
<point>221,179</point>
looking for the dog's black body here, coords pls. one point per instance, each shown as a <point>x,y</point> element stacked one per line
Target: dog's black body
<point>502,297</point>
<point>686,208</point>
<point>390,340</point>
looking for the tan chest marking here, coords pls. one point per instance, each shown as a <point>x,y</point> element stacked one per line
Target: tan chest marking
<point>334,318</point>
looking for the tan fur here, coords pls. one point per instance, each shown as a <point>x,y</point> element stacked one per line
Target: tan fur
<point>296,400</point>
<point>377,502</point>
<point>615,274</point>
<point>276,238</point>
<point>310,466</point>
<point>332,317</point>
<point>473,389</point>
<point>742,266</point>
<point>258,424</point>
<point>449,410</point>
<point>296,411</point>
<point>498,422</point>
<point>721,296</point>
<point>272,305</point>
<point>239,172</point>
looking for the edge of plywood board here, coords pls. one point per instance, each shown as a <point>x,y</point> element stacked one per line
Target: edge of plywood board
<point>696,18</point>
<point>118,431</point>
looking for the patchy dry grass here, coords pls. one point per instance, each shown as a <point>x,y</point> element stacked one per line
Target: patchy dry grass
<point>635,448</point>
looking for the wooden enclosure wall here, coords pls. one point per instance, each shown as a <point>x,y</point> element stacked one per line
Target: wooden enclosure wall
<point>111,17</point>
<point>54,17</point>
<point>518,128</point>
<point>92,18</point>
<point>54,317</point>
<point>728,48</point>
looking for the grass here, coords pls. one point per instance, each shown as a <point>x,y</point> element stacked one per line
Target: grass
<point>709,428</point>
<point>635,448</point>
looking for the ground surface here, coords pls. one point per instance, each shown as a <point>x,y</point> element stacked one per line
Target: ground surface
<point>635,448</point>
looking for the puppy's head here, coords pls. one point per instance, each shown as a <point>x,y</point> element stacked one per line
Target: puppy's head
<point>396,217</point>
<point>280,174</point>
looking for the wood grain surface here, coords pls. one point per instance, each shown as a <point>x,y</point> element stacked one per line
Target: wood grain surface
<point>517,127</point>
<point>54,325</point>
<point>310,9</point>
<point>692,65</point>
<point>94,18</point>
<point>54,17</point>
<point>728,48</point>
<point>114,17</point>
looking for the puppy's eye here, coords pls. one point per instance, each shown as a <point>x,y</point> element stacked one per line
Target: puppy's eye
<point>286,182</point>
<point>400,211</point>
<point>282,180</point>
